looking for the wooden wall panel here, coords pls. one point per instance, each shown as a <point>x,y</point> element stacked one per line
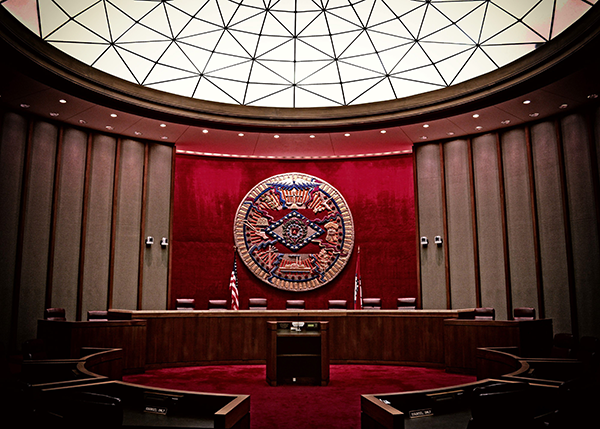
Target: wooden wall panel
<point>523,281</point>
<point>489,224</point>
<point>36,232</point>
<point>128,218</point>
<point>69,208</point>
<point>158,212</point>
<point>553,251</point>
<point>431,223</point>
<point>12,159</point>
<point>583,216</point>
<point>460,228</point>
<point>98,226</point>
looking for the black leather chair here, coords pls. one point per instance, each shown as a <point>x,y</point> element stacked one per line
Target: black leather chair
<point>337,304</point>
<point>97,316</point>
<point>409,303</point>
<point>257,303</point>
<point>371,303</point>
<point>185,304</point>
<point>501,406</point>
<point>217,304</point>
<point>55,314</point>
<point>564,346</point>
<point>294,304</point>
<point>484,313</point>
<point>524,313</point>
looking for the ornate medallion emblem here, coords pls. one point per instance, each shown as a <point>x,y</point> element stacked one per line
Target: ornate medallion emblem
<point>294,231</point>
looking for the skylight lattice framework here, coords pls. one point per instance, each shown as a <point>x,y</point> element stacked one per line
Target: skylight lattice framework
<point>297,53</point>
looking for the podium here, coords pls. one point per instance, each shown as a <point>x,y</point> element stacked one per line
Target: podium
<point>297,353</point>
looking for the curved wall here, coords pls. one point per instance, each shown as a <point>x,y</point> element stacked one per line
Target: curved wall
<point>520,210</point>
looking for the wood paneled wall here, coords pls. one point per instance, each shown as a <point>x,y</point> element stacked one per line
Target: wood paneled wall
<point>519,211</point>
<point>76,207</point>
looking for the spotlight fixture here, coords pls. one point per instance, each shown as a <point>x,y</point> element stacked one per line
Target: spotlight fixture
<point>62,101</point>
<point>563,106</point>
<point>25,106</point>
<point>450,133</point>
<point>165,138</point>
<point>82,121</point>
<point>383,131</point>
<point>505,122</point>
<point>534,114</point>
<point>137,133</point>
<point>113,115</point>
<point>312,136</point>
<point>592,96</point>
<point>526,101</point>
<point>163,125</point>
<point>276,136</point>
<point>241,134</point>
<point>204,131</point>
<point>347,135</point>
<point>110,127</point>
<point>479,127</point>
<point>423,137</point>
<point>425,125</point>
<point>476,115</point>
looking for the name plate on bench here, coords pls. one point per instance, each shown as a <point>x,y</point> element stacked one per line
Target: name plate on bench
<point>156,410</point>
<point>425,412</point>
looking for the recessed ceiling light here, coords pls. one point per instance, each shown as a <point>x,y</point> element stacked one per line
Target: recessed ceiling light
<point>205,131</point>
<point>479,127</point>
<point>110,127</point>
<point>312,136</point>
<point>113,115</point>
<point>164,137</point>
<point>563,106</point>
<point>347,135</point>
<point>526,101</point>
<point>25,106</point>
<point>425,125</point>
<point>82,121</point>
<point>450,133</point>
<point>476,115</point>
<point>62,101</point>
<point>383,131</point>
<point>275,136</point>
<point>163,125</point>
<point>505,122</point>
<point>241,134</point>
<point>423,137</point>
<point>137,133</point>
<point>591,96</point>
<point>54,114</point>
<point>534,114</point>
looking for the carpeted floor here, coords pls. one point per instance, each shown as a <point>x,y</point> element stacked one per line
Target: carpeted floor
<point>297,407</point>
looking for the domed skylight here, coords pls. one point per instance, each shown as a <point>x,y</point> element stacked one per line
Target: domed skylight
<point>297,53</point>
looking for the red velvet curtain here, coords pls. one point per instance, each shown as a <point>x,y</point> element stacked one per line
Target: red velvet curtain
<point>208,191</point>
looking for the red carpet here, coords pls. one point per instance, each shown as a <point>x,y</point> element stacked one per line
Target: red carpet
<point>296,407</point>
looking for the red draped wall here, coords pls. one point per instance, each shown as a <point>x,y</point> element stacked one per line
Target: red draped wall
<point>378,191</point>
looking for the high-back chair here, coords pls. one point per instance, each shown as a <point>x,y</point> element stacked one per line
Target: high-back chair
<point>257,303</point>
<point>217,304</point>
<point>409,303</point>
<point>371,303</point>
<point>294,304</point>
<point>185,304</point>
<point>55,314</point>
<point>524,313</point>
<point>337,304</point>
<point>484,313</point>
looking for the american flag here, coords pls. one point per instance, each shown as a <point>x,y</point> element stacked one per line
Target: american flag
<point>357,285</point>
<point>233,287</point>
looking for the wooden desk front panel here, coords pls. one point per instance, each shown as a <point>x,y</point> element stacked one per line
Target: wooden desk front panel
<point>205,337</point>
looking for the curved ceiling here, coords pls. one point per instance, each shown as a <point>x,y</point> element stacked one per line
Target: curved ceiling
<point>41,79</point>
<point>289,53</point>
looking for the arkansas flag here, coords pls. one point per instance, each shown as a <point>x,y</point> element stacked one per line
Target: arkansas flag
<point>357,285</point>
<point>233,287</point>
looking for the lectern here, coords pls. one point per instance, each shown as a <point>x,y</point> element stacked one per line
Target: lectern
<point>297,353</point>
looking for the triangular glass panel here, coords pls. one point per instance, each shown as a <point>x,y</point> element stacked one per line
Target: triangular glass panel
<point>112,63</point>
<point>321,95</point>
<point>404,88</point>
<point>87,53</point>
<point>477,65</point>
<point>95,20</point>
<point>183,87</point>
<point>540,18</point>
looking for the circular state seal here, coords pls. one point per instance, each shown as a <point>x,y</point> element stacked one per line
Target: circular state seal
<point>294,231</point>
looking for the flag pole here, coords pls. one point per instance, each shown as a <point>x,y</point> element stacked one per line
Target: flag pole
<point>233,285</point>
